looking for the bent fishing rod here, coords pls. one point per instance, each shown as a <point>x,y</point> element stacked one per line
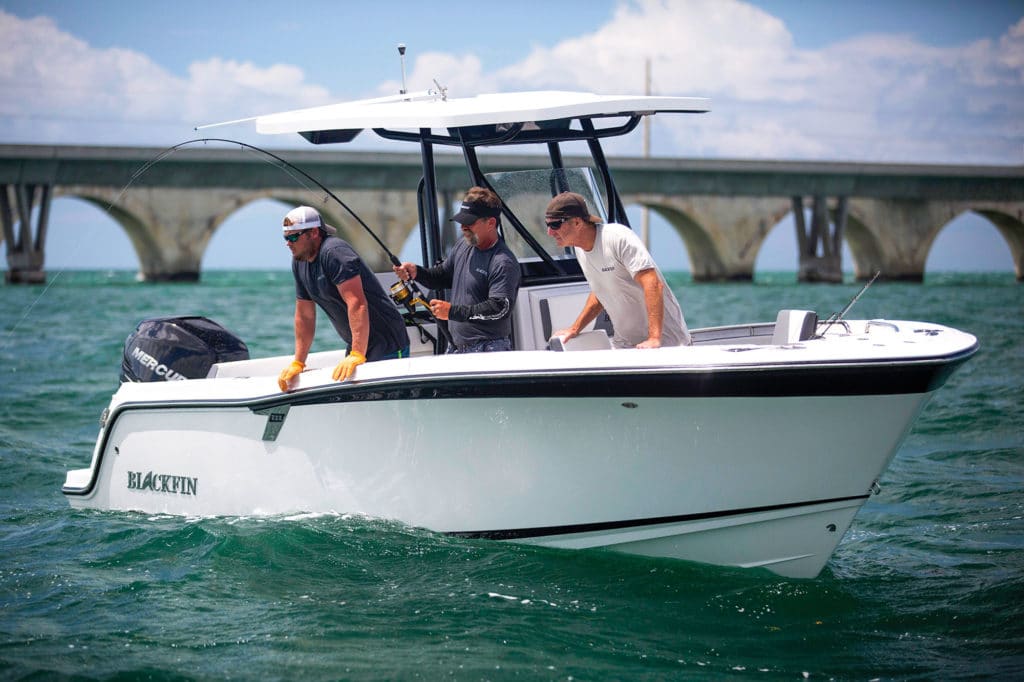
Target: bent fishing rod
<point>405,293</point>
<point>287,165</point>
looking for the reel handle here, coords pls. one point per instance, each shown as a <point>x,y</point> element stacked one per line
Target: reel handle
<point>407,295</point>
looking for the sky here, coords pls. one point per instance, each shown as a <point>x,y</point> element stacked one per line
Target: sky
<point>933,81</point>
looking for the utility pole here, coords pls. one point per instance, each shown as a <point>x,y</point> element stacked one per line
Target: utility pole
<point>645,217</point>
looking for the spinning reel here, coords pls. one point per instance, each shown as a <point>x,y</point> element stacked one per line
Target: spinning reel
<point>407,295</point>
<point>404,295</point>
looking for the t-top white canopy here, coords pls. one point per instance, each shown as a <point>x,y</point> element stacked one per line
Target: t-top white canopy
<point>431,110</point>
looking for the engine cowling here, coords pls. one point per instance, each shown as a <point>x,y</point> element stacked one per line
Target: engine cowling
<point>176,348</point>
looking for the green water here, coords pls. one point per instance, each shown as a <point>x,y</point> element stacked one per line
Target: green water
<point>927,584</point>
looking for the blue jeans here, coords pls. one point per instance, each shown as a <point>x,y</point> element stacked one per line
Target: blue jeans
<point>492,346</point>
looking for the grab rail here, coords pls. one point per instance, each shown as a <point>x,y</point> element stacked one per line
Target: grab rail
<point>880,323</point>
<point>842,323</point>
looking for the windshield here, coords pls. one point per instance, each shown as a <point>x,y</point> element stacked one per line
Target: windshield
<point>527,193</point>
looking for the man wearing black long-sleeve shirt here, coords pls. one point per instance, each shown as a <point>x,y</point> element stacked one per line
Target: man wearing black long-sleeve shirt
<point>483,275</point>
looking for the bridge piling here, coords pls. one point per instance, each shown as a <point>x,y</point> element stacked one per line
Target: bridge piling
<point>824,264</point>
<point>25,255</point>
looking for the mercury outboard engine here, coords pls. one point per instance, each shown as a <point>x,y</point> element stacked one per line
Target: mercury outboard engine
<point>173,348</point>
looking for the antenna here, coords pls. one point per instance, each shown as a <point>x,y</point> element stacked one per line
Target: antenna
<point>645,213</point>
<point>401,56</point>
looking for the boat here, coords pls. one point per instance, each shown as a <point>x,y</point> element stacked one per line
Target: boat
<point>754,447</point>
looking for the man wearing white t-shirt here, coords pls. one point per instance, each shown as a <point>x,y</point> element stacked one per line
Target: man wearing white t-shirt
<point>624,280</point>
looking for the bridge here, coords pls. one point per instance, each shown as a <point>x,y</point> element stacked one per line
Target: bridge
<point>889,215</point>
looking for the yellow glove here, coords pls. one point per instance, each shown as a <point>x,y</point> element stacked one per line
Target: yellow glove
<point>347,367</point>
<point>289,373</point>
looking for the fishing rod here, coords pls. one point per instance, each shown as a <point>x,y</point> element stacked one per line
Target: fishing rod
<point>838,317</point>
<point>403,292</point>
<point>288,165</point>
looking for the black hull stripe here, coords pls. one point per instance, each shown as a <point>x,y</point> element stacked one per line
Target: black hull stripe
<point>544,531</point>
<point>759,382</point>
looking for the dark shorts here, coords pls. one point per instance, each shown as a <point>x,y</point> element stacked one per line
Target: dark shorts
<point>492,346</point>
<point>404,353</point>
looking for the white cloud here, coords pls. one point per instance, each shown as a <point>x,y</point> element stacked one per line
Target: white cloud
<point>462,75</point>
<point>875,97</point>
<point>222,88</point>
<point>1011,50</point>
<point>58,89</point>
<point>702,46</point>
<point>879,97</point>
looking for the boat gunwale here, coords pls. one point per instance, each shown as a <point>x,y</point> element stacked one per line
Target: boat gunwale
<point>954,358</point>
<point>413,387</point>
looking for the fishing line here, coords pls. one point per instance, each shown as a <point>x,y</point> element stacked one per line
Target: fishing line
<point>53,280</point>
<point>31,306</point>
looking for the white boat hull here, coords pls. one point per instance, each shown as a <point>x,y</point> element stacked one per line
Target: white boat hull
<point>658,459</point>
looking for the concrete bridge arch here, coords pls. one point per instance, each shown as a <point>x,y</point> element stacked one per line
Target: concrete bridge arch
<point>171,228</point>
<point>132,225</point>
<point>723,210</point>
<point>722,236</point>
<point>699,246</point>
<point>893,236</point>
<point>865,248</point>
<point>896,236</point>
<point>392,215</point>
<point>1009,221</point>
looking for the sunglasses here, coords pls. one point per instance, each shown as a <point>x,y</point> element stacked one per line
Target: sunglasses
<point>292,238</point>
<point>555,224</point>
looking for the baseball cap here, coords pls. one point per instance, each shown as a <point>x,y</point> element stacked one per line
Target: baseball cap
<point>472,211</point>
<point>569,205</point>
<point>305,218</point>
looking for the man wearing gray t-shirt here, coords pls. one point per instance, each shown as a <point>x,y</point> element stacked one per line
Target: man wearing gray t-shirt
<point>329,273</point>
<point>624,280</point>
